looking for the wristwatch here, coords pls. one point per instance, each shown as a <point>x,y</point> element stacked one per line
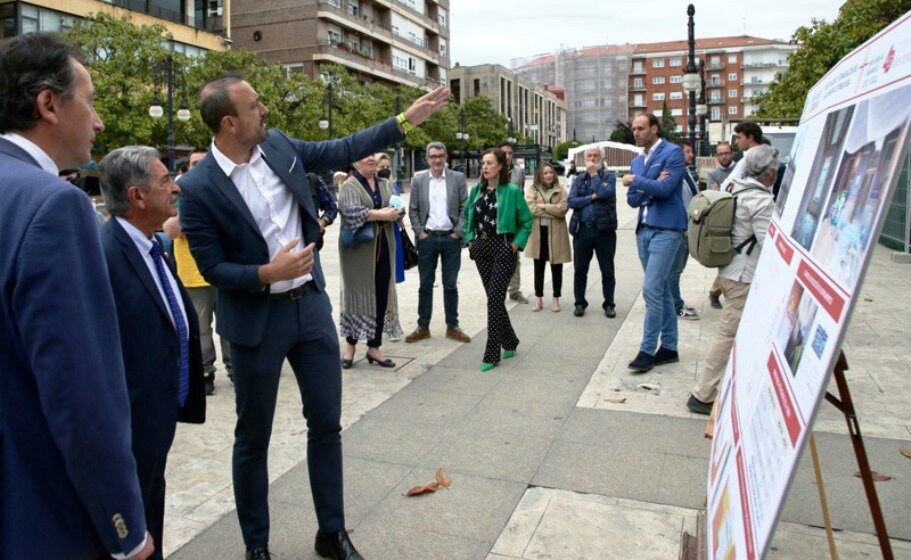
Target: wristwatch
<point>407,127</point>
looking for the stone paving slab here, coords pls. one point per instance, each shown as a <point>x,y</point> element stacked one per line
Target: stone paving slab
<point>554,523</point>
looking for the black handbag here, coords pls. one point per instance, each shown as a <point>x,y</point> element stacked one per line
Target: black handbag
<point>411,253</point>
<point>351,239</point>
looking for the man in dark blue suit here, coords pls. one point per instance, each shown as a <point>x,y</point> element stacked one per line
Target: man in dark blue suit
<point>159,331</point>
<point>247,212</point>
<point>68,486</point>
<point>660,228</point>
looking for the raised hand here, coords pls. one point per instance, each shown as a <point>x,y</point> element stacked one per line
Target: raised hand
<point>426,105</point>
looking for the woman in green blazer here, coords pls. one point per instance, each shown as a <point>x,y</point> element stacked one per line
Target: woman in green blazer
<point>497,225</point>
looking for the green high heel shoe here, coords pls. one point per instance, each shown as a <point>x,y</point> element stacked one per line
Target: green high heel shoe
<point>507,354</point>
<point>487,366</point>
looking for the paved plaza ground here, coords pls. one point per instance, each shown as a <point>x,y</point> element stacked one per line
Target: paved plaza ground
<point>558,453</point>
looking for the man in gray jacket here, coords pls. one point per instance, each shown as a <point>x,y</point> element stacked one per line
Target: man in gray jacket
<point>724,155</point>
<point>751,222</point>
<point>435,208</point>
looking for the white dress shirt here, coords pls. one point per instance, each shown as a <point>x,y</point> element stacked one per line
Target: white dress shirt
<point>274,209</point>
<point>438,214</point>
<point>647,155</point>
<point>144,245</point>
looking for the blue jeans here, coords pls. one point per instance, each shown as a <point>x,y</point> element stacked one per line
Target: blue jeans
<point>683,254</point>
<point>449,252</point>
<point>657,252</point>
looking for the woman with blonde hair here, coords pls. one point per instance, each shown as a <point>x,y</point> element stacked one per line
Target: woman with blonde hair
<point>549,241</point>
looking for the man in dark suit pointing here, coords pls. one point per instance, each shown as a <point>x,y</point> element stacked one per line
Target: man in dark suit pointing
<point>159,331</point>
<point>68,486</point>
<point>249,217</point>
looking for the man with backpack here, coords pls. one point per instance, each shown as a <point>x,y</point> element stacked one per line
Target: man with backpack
<point>752,213</point>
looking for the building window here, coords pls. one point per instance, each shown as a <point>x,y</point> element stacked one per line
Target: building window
<point>638,100</point>
<point>657,63</point>
<point>637,68</point>
<point>658,113</point>
<point>336,4</point>
<point>676,61</point>
<point>443,17</point>
<point>353,8</point>
<point>676,79</point>
<point>638,83</point>
<point>732,59</point>
<point>732,93</point>
<point>443,48</point>
<point>715,114</point>
<point>715,61</point>
<point>296,68</point>
<point>676,95</point>
<point>732,77</point>
<point>658,96</point>
<point>335,36</point>
<point>657,80</point>
<point>715,80</point>
<point>732,110</point>
<point>476,87</point>
<point>676,112</point>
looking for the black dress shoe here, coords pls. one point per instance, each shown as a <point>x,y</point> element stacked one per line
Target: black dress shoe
<point>699,407</point>
<point>384,363</point>
<point>610,311</point>
<point>665,356</point>
<point>210,386</point>
<point>642,363</point>
<point>347,363</point>
<point>336,546</point>
<point>579,311</point>
<point>258,553</point>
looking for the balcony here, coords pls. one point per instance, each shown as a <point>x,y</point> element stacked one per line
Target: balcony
<point>640,87</point>
<point>715,66</point>
<point>367,25</point>
<point>212,24</point>
<point>637,71</point>
<point>635,103</point>
<point>764,65</point>
<point>362,58</point>
<point>715,101</point>
<point>715,84</point>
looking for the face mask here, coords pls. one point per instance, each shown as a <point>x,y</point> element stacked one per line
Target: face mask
<point>384,173</point>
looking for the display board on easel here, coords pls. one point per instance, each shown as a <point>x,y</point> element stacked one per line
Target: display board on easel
<point>842,171</point>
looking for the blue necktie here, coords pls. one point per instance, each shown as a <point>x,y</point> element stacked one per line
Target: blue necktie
<point>183,335</point>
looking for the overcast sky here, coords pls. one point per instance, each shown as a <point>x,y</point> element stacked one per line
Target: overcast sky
<point>495,31</point>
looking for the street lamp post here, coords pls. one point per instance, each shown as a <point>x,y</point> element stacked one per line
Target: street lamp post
<point>326,122</point>
<point>462,136</point>
<point>399,151</point>
<point>701,110</point>
<point>691,80</point>
<point>157,111</point>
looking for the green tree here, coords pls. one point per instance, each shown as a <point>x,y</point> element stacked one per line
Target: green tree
<point>822,45</point>
<point>668,125</point>
<point>622,132</point>
<point>561,150</point>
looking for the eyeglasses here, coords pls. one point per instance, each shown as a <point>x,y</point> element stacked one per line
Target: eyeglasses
<point>719,154</point>
<point>439,156</point>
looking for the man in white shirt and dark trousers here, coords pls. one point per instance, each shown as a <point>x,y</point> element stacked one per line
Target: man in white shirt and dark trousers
<point>435,209</point>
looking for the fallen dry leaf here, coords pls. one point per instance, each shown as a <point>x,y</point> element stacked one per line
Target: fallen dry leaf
<point>442,478</point>
<point>619,400</point>
<point>868,299</point>
<point>421,490</point>
<point>649,386</point>
<point>877,477</point>
<point>905,451</point>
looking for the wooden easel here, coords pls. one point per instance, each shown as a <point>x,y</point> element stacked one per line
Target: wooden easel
<point>693,547</point>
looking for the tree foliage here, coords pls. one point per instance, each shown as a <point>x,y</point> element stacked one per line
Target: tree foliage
<point>622,132</point>
<point>561,150</point>
<point>822,45</point>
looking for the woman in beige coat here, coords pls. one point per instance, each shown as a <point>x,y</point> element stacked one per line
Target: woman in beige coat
<point>546,198</point>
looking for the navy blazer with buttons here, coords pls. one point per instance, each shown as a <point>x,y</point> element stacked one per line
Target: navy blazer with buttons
<point>225,239</point>
<point>68,485</point>
<point>662,197</point>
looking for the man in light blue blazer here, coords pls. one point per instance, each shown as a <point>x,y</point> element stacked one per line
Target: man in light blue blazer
<point>68,485</point>
<point>248,214</point>
<point>660,228</point>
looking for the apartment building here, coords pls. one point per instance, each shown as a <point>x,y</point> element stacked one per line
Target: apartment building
<point>617,82</point>
<point>533,110</point>
<point>387,41</point>
<point>197,26</point>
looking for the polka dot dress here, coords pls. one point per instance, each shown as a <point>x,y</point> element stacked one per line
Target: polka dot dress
<point>496,262</point>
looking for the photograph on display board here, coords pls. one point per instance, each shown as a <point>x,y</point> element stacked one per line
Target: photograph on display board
<point>790,169</point>
<point>869,160</point>
<point>789,318</point>
<point>821,173</point>
<point>799,336</point>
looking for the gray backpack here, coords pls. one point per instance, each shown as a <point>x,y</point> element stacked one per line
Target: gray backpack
<point>711,217</point>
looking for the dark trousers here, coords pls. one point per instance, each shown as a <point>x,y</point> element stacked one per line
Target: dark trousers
<point>449,252</point>
<point>556,270</point>
<point>587,242</point>
<point>150,471</point>
<point>204,302</point>
<point>302,331</point>
<point>382,273</point>
<point>496,263</point>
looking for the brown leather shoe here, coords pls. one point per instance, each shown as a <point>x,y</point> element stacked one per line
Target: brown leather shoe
<point>419,333</point>
<point>456,333</point>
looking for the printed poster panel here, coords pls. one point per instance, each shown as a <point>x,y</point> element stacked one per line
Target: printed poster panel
<point>844,163</point>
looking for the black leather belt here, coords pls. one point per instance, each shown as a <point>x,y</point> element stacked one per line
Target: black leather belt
<point>295,293</point>
<point>438,232</point>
